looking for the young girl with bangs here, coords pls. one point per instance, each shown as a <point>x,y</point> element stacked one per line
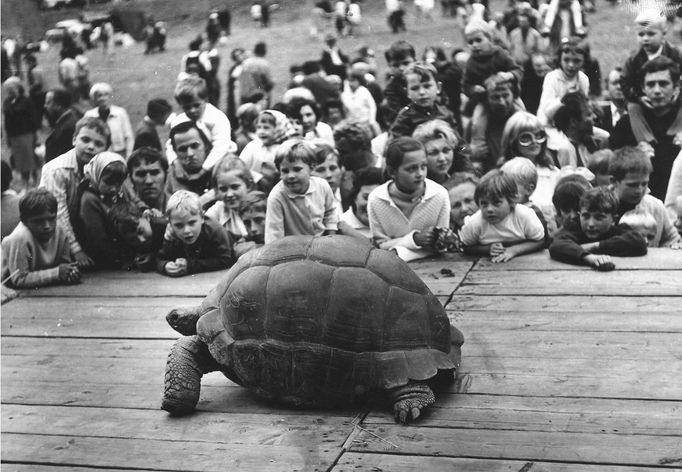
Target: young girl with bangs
<point>501,228</point>
<point>524,136</point>
<point>405,211</point>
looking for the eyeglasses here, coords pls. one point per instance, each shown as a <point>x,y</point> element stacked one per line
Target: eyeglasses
<point>527,138</point>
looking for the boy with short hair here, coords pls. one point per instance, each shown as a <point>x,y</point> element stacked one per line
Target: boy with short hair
<point>62,175</point>
<point>566,197</point>
<point>642,222</point>
<point>141,231</point>
<point>630,169</point>
<point>158,113</point>
<point>422,90</point>
<point>299,203</point>
<point>37,252</point>
<point>399,57</point>
<point>252,211</point>
<point>594,236</point>
<point>191,94</point>
<point>197,244</point>
<point>599,166</point>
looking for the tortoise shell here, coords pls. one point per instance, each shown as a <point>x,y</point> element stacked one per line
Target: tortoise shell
<point>326,318</point>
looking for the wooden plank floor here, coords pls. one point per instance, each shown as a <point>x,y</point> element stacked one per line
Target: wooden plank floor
<point>564,369</point>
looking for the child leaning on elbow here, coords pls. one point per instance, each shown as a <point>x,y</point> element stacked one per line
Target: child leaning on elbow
<point>37,252</point>
<point>501,228</point>
<point>196,244</point>
<point>593,237</point>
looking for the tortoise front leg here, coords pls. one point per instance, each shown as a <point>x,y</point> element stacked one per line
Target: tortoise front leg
<point>409,400</point>
<point>187,362</point>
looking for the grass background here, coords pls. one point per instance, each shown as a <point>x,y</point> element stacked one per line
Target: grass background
<point>136,77</point>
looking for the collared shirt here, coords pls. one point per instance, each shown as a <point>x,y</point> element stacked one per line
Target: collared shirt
<point>61,177</point>
<point>554,87</point>
<point>310,213</point>
<point>228,219</point>
<point>122,136</point>
<point>616,114</point>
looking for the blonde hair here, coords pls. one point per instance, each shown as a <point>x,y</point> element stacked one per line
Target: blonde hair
<point>638,219</point>
<point>522,170</point>
<point>435,129</point>
<point>651,18</point>
<point>518,123</point>
<point>100,87</point>
<point>183,200</point>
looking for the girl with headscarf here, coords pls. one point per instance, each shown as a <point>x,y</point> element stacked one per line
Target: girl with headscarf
<point>272,129</point>
<point>100,189</point>
<point>21,125</point>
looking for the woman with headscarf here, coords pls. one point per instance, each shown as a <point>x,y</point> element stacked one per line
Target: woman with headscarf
<point>21,126</point>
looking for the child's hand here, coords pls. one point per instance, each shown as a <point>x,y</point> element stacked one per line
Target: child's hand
<point>174,270</point>
<point>151,213</point>
<point>83,260</point>
<point>505,256</point>
<point>677,245</point>
<point>600,262</point>
<point>496,249</point>
<point>69,273</point>
<point>143,262</point>
<point>425,238</point>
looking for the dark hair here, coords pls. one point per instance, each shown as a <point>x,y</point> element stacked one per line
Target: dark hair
<point>440,53</point>
<point>311,67</point>
<point>125,216</point>
<point>322,151</point>
<point>157,108</point>
<point>255,200</point>
<point>260,49</point>
<point>397,148</point>
<point>574,45</point>
<point>568,191</point>
<point>599,199</point>
<point>359,76</point>
<point>423,70</point>
<point>234,52</point>
<point>292,150</point>
<point>297,103</point>
<point>496,186</point>
<point>333,103</point>
<point>184,127</point>
<point>399,50</point>
<point>658,64</point>
<point>362,177</point>
<point>573,104</point>
<point>6,175</point>
<point>629,159</point>
<point>94,123</point>
<point>254,97</point>
<point>146,155</point>
<point>61,97</point>
<point>355,151</point>
<point>36,201</point>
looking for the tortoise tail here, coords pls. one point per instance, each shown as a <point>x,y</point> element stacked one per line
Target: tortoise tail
<point>187,362</point>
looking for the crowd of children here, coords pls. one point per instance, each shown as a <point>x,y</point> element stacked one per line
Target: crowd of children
<point>413,167</point>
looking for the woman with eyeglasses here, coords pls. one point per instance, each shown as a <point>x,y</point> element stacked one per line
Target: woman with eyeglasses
<point>524,136</point>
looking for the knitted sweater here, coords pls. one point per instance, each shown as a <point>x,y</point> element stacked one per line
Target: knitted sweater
<point>391,229</point>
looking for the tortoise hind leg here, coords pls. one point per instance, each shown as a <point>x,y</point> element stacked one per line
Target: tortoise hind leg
<point>187,362</point>
<point>409,401</point>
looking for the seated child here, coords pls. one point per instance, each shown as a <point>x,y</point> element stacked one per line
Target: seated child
<point>630,169</point>
<point>62,175</point>
<point>37,252</point>
<point>101,187</point>
<point>198,244</point>
<point>231,181</point>
<point>599,166</point>
<point>594,236</point>
<point>501,228</point>
<point>566,198</point>
<point>299,203</point>
<point>446,151</point>
<point>525,174</point>
<point>422,90</point>
<point>355,221</point>
<point>326,166</point>
<point>405,212</point>
<point>141,231</point>
<point>247,113</point>
<point>186,172</point>
<point>642,222</point>
<point>252,212</point>
<point>191,94</point>
<point>461,187</point>
<point>259,155</point>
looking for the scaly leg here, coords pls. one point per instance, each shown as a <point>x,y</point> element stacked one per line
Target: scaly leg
<point>409,400</point>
